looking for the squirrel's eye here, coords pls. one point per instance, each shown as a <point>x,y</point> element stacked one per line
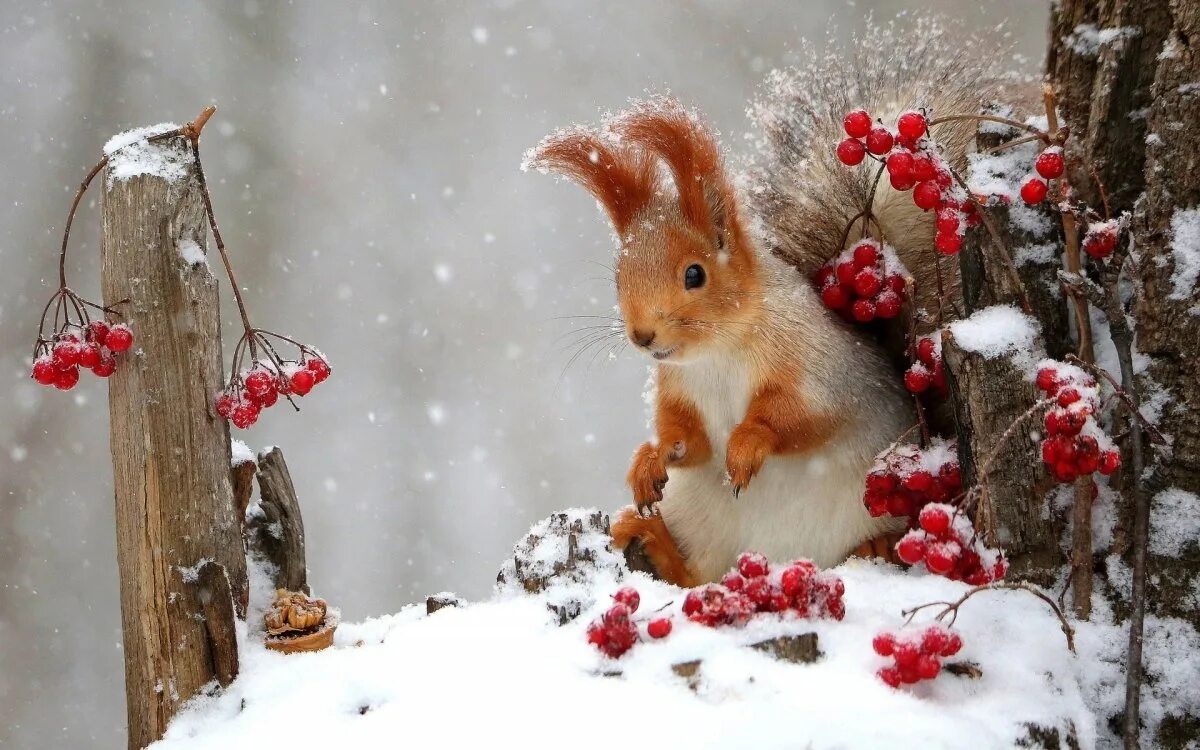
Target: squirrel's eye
<point>693,277</point>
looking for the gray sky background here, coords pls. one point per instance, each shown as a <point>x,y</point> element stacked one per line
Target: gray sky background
<point>364,165</point>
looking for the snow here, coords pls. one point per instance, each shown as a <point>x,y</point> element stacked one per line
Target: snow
<point>192,253</point>
<point>241,452</point>
<point>998,331</point>
<point>501,662</point>
<point>1174,522</point>
<point>1087,39</point>
<point>130,155</point>
<point>1185,247</point>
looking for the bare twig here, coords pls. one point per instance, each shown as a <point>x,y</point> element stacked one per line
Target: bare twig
<point>950,609</point>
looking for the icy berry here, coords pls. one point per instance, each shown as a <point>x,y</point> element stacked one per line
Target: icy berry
<point>794,580</point>
<point>1034,190</point>
<point>1047,379</point>
<point>934,519</point>
<point>867,283</point>
<point>259,382</point>
<point>89,355</point>
<point>890,676</point>
<point>659,627</point>
<point>835,297</point>
<point>106,366</point>
<point>917,379</point>
<point>628,596</point>
<point>617,614</point>
<point>244,415</point>
<point>863,310</point>
<point>947,221</point>
<point>923,168</point>
<point>119,338</point>
<point>857,123</point>
<point>733,581</point>
<point>1110,461</point>
<point>97,332</point>
<point>928,666</point>
<point>884,644</point>
<point>948,243</point>
<point>940,559</point>
<point>65,353</point>
<point>926,350</point>
<point>911,549</point>
<point>44,371</point>
<point>224,404</point>
<point>65,379</point>
<point>752,564</point>
<point>911,125</point>
<point>851,152</point>
<point>301,382</point>
<point>319,368</point>
<point>900,164</point>
<point>887,304</point>
<point>693,602</point>
<point>879,141</point>
<point>1049,163</point>
<point>865,255</point>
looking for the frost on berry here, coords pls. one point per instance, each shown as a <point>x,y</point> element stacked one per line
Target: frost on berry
<point>266,381</point>
<point>1074,445</point>
<point>755,587</point>
<point>916,654</point>
<point>927,371</point>
<point>89,345</point>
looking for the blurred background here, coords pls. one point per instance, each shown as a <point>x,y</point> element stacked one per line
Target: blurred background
<point>364,168</point>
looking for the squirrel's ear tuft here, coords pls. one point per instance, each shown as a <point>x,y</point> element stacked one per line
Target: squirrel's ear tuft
<point>622,179</point>
<point>682,140</point>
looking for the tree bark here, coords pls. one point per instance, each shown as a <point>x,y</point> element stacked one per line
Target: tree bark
<point>278,532</point>
<point>174,503</point>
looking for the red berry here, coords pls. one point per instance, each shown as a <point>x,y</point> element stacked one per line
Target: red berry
<point>244,415</point>
<point>260,382</point>
<point>106,366</point>
<point>659,627</point>
<point>693,602</point>
<point>733,581</point>
<point>896,283</point>
<point>900,164</point>
<point>835,296</point>
<point>851,152</point>
<point>879,141</point>
<point>888,304</point>
<point>863,310</point>
<point>947,221</point>
<point>890,676</point>
<point>89,355</point>
<point>1049,163</point>
<point>902,182</point>
<point>950,475</point>
<point>224,404</point>
<point>266,400</point>
<point>917,379</point>
<point>884,644</point>
<point>44,371</point>
<point>752,564</point>
<point>301,382</point>
<point>616,616</point>
<point>1047,379</point>
<point>948,244</point>
<point>65,353</point>
<point>1033,190</point>
<point>934,519</point>
<point>911,125</point>
<point>940,559</point>
<point>857,123</point>
<point>927,194</point>
<point>1110,461</point>
<point>927,351</point>
<point>845,273</point>
<point>97,332</point>
<point>794,580</point>
<point>878,481</point>
<point>928,667</point>
<point>923,168</point>
<point>628,596</point>
<point>867,283</point>
<point>918,481</point>
<point>910,549</point>
<point>65,379</point>
<point>319,368</point>
<point>865,255</point>
<point>953,645</point>
<point>596,634</point>
<point>1100,244</point>
<point>906,655</point>
<point>1068,396</point>
<point>119,338</point>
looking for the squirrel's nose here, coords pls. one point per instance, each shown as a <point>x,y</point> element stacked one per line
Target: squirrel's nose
<point>642,338</point>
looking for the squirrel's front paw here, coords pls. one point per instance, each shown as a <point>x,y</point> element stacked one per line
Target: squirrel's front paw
<point>749,446</point>
<point>647,476</point>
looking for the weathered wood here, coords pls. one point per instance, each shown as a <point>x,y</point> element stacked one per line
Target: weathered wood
<point>990,395</point>
<point>277,531</point>
<point>216,601</point>
<point>797,649</point>
<point>174,502</point>
<point>441,601</point>
<point>242,477</point>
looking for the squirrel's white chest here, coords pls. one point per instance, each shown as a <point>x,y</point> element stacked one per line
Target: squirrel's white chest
<point>721,390</point>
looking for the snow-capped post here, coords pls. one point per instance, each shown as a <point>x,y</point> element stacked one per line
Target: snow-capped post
<point>177,531</point>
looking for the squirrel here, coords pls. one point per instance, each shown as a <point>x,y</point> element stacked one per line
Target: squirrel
<point>769,409</point>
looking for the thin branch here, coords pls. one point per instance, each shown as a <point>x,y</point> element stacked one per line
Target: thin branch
<point>993,118</point>
<point>950,609</point>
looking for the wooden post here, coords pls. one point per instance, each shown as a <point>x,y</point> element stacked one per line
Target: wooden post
<point>171,455</point>
<point>277,530</point>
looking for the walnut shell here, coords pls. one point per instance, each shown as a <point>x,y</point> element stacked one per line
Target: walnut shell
<point>293,612</point>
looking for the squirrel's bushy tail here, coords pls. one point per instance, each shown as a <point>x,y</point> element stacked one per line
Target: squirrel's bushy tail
<point>803,196</point>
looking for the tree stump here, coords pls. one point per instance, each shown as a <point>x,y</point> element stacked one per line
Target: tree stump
<point>171,455</point>
<point>276,529</point>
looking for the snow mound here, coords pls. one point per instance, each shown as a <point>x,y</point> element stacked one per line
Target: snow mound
<point>998,331</point>
<point>503,673</point>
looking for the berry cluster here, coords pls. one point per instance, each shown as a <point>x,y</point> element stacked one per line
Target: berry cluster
<point>57,361</point>
<point>615,632</point>
<point>948,545</point>
<point>913,162</point>
<point>863,283</point>
<point>1075,445</point>
<point>753,587</point>
<point>916,656</point>
<point>927,369</point>
<point>1101,238</point>
<point>906,478</point>
<point>259,387</point>
<point>1049,165</point>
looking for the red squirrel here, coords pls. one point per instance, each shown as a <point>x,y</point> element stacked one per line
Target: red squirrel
<point>768,408</point>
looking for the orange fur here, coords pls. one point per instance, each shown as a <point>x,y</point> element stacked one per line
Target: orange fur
<point>777,422</point>
<point>658,543</point>
<point>882,547</point>
<point>622,179</point>
<point>681,442</point>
